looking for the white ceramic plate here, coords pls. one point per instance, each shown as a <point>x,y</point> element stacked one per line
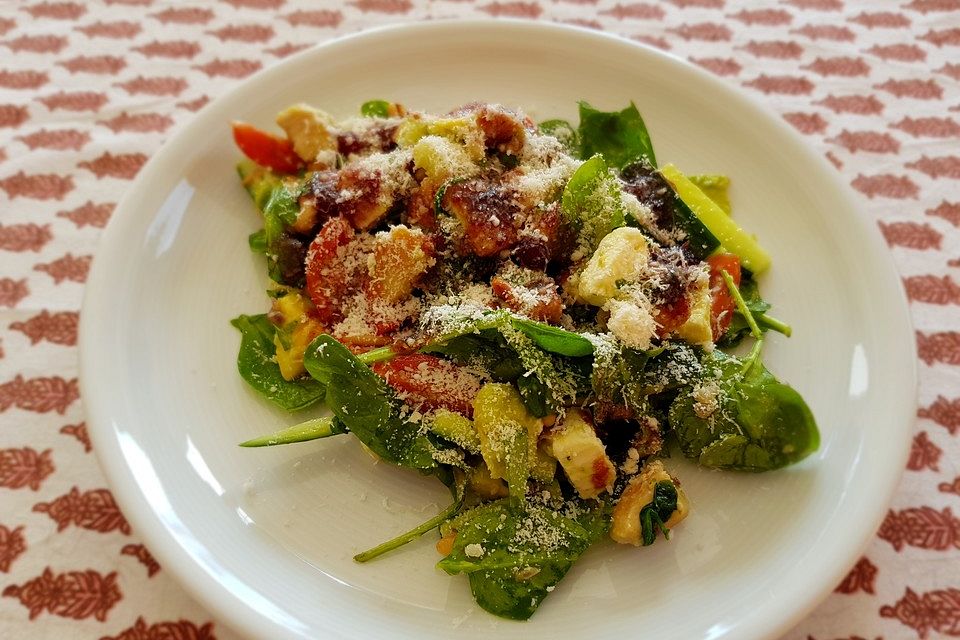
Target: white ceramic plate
<point>264,537</point>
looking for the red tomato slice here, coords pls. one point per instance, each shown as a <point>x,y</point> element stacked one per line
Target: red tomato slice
<point>428,382</point>
<point>329,283</point>
<point>723,305</point>
<point>266,149</point>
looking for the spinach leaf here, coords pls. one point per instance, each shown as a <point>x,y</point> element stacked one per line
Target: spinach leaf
<point>485,349</point>
<point>739,328</point>
<point>513,558</point>
<point>257,366</point>
<point>560,378</point>
<point>322,427</point>
<point>547,337</point>
<point>554,339</point>
<point>654,516</point>
<point>366,406</point>
<point>564,132</point>
<point>592,202</point>
<point>745,419</point>
<point>534,394</point>
<point>375,109</point>
<point>618,374</point>
<point>621,137</point>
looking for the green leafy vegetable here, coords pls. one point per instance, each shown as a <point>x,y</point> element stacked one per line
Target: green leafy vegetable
<point>654,516</point>
<point>554,339</point>
<point>534,394</point>
<point>278,201</point>
<point>485,349</point>
<point>565,133</point>
<point>592,201</point>
<point>323,427</point>
<point>558,377</point>
<point>755,423</point>
<point>257,366</point>
<point>375,109</point>
<point>621,137</point>
<point>514,559</point>
<point>366,406</point>
<point>617,377</point>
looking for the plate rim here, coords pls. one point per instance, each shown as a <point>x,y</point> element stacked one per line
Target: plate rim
<point>204,586</point>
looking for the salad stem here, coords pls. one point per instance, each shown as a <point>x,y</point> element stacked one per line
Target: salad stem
<point>377,355</point>
<point>777,325</point>
<point>741,305</point>
<point>309,430</point>
<point>409,536</point>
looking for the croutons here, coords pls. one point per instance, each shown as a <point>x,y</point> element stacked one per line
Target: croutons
<point>308,129</point>
<point>400,257</point>
<point>488,213</point>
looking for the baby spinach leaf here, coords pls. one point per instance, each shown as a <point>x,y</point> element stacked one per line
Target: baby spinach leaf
<point>756,422</point>
<point>375,109</point>
<point>366,406</point>
<point>513,558</point>
<point>560,379</point>
<point>534,395</point>
<point>564,132</point>
<point>617,376</point>
<point>554,339</point>
<point>654,516</point>
<point>485,349</point>
<point>592,201</point>
<point>322,427</point>
<point>621,137</point>
<point>257,366</point>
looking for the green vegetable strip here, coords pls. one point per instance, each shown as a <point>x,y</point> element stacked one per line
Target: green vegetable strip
<point>777,325</point>
<point>309,430</point>
<point>411,535</point>
<point>731,236</point>
<point>741,305</point>
<point>377,355</point>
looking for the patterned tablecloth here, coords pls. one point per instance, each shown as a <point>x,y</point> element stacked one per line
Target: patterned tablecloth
<point>89,90</point>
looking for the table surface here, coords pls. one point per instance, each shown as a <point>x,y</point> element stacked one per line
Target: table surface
<point>89,90</point>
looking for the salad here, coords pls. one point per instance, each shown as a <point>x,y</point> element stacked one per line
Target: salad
<point>532,314</point>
